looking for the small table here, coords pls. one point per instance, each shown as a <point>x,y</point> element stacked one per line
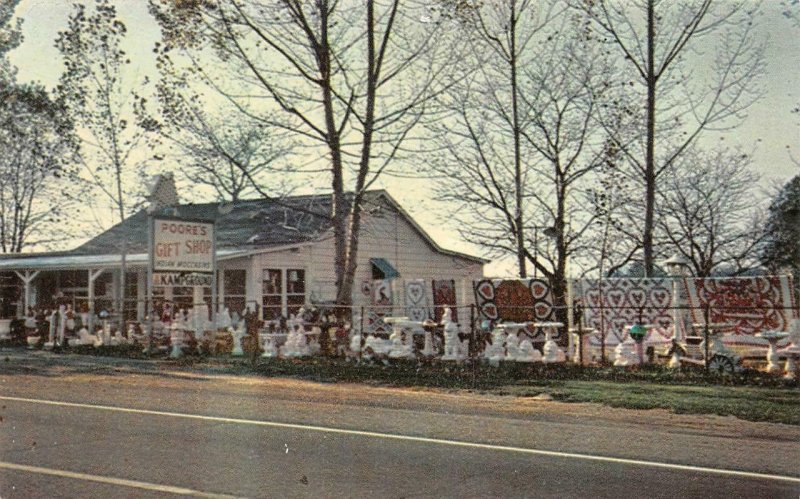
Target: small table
<point>773,337</point>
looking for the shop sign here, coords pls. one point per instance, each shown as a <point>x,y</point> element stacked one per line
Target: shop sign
<point>181,279</point>
<point>182,246</point>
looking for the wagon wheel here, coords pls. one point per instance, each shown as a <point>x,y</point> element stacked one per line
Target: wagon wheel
<point>721,364</point>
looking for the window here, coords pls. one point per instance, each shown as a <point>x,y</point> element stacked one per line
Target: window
<point>272,305</point>
<point>131,295</point>
<point>183,297</point>
<point>295,290</point>
<point>234,286</point>
<point>279,299</point>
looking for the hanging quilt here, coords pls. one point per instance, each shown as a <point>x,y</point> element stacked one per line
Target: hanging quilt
<point>750,304</point>
<point>611,306</point>
<point>379,296</point>
<point>416,300</point>
<point>516,300</point>
<point>444,295</point>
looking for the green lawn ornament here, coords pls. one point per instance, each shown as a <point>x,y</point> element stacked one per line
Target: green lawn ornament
<point>638,332</point>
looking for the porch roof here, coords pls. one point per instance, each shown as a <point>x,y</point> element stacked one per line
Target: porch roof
<point>67,261</point>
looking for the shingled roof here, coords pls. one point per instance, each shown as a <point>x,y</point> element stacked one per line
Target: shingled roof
<point>243,226</point>
<point>246,224</point>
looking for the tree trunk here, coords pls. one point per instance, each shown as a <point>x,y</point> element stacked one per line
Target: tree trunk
<point>345,293</point>
<point>518,218</point>
<point>338,201</point>
<point>650,171</point>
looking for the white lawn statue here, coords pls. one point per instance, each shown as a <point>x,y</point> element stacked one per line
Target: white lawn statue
<point>51,337</point>
<point>270,349</point>
<point>512,346</point>
<point>355,345</point>
<point>84,338</point>
<point>496,351</point>
<point>237,334</point>
<point>224,320</point>
<point>451,341</point>
<point>625,353</point>
<point>401,349</point>
<point>62,324</point>
<point>176,339</point>
<point>527,353</point>
<point>792,352</point>
<point>132,336</point>
<point>295,345</point>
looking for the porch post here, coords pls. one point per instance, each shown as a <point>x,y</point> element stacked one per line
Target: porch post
<point>93,275</point>
<point>141,295</point>
<point>27,278</point>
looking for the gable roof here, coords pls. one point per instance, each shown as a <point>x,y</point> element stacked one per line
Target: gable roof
<point>246,225</point>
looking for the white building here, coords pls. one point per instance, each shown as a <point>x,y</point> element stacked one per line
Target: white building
<point>278,254</point>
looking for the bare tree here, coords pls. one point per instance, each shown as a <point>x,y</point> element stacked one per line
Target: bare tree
<point>521,142</point>
<point>96,91</point>
<point>659,41</point>
<point>35,162</point>
<point>350,80</point>
<point>233,158</point>
<point>708,211</point>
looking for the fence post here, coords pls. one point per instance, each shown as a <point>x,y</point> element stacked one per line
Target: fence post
<point>361,332</point>
<point>473,344</point>
<point>706,318</point>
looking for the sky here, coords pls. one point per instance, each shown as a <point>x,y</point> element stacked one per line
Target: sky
<point>771,130</point>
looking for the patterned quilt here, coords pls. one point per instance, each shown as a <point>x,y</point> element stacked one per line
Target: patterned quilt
<point>444,295</point>
<point>750,304</point>
<point>515,300</point>
<point>416,300</point>
<point>379,296</point>
<point>612,305</point>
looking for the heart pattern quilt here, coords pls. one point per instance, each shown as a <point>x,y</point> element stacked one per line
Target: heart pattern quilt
<point>515,300</point>
<point>416,300</point>
<point>612,305</point>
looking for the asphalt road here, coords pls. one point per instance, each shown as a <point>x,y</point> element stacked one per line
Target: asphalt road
<point>83,431</point>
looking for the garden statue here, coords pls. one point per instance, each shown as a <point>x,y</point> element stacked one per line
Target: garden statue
<point>527,353</point>
<point>451,341</point>
<point>625,353</point>
<point>224,320</point>
<point>51,337</point>
<point>84,338</point>
<point>176,340</point>
<point>401,348</point>
<point>551,352</point>
<point>238,334</point>
<point>512,346</point>
<point>270,349</point>
<point>495,351</point>
<point>792,352</point>
<point>62,324</point>
<point>295,345</point>
<point>70,320</point>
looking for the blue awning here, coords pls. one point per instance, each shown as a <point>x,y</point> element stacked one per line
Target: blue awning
<point>389,272</point>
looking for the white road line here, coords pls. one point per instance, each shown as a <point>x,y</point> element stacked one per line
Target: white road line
<point>112,481</point>
<point>409,438</point>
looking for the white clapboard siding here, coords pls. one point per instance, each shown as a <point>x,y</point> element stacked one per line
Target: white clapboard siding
<point>387,235</point>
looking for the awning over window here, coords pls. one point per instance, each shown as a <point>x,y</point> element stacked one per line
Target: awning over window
<point>384,267</point>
